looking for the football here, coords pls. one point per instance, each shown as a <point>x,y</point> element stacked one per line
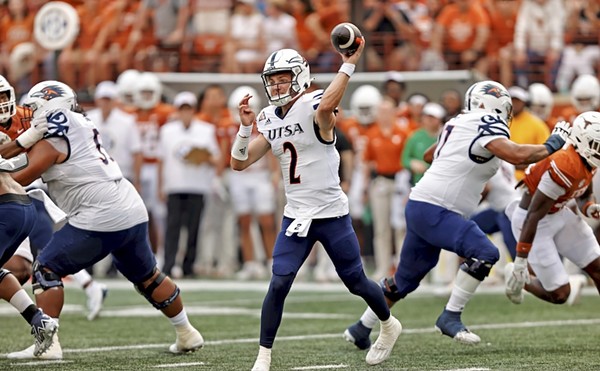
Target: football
<point>346,38</point>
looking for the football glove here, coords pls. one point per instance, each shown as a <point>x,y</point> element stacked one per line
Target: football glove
<point>558,137</point>
<point>520,275</point>
<point>591,210</point>
<point>39,127</point>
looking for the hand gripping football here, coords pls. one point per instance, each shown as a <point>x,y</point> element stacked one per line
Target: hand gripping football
<point>346,38</point>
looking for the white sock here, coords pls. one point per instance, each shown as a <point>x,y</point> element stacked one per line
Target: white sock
<point>82,277</point>
<point>20,300</point>
<point>264,352</point>
<point>464,288</point>
<point>387,322</point>
<point>180,320</point>
<point>369,319</point>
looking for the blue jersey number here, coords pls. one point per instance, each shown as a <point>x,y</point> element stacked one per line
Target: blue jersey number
<point>104,156</point>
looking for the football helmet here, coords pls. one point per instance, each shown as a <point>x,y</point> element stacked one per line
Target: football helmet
<point>585,135</point>
<point>50,95</point>
<point>236,96</point>
<point>8,108</point>
<point>126,86</point>
<point>148,91</point>
<point>286,60</point>
<point>541,100</point>
<point>364,102</point>
<point>489,96</point>
<point>585,93</point>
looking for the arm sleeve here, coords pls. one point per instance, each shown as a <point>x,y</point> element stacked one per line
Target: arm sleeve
<point>550,188</point>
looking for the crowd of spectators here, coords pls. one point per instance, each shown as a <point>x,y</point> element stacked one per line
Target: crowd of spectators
<point>516,42</point>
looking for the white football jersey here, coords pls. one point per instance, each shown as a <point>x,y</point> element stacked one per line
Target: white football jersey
<point>462,165</point>
<point>120,137</point>
<point>309,164</point>
<point>89,185</point>
<point>502,187</point>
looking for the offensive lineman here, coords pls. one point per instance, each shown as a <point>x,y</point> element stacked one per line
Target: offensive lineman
<point>106,215</point>
<point>466,156</point>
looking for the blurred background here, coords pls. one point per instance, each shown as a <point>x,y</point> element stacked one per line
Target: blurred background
<point>136,58</point>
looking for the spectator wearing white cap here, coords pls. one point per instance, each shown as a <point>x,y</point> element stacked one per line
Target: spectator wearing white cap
<point>119,133</point>
<point>416,145</point>
<point>526,128</point>
<point>188,154</point>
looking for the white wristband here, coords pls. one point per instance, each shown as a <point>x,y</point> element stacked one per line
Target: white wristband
<point>239,149</point>
<point>245,131</point>
<point>29,138</point>
<point>347,68</point>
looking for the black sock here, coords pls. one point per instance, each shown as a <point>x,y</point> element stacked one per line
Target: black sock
<point>29,312</point>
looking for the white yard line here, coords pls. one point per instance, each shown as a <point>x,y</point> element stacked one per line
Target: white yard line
<point>40,363</point>
<point>576,322</point>
<point>321,367</point>
<point>173,365</point>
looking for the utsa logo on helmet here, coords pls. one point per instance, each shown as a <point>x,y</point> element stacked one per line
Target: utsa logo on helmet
<point>492,90</point>
<point>49,92</point>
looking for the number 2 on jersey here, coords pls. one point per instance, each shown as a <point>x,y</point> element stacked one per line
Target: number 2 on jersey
<point>104,156</point>
<point>288,146</point>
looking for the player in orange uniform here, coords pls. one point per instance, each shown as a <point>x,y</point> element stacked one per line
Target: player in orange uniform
<point>546,230</point>
<point>150,115</point>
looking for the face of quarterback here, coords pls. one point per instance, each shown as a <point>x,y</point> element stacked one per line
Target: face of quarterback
<point>279,83</point>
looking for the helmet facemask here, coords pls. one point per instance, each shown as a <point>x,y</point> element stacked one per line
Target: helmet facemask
<point>286,60</point>
<point>8,105</point>
<point>585,135</point>
<point>491,97</point>
<point>50,95</point>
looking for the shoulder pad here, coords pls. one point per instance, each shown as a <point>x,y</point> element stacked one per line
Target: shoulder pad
<point>58,124</point>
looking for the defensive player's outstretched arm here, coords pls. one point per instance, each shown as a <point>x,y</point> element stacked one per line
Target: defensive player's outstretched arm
<point>332,97</point>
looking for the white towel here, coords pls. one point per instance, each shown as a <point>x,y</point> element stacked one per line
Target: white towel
<point>58,216</point>
<point>299,226</point>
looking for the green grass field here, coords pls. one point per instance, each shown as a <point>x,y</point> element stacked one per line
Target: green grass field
<point>131,335</point>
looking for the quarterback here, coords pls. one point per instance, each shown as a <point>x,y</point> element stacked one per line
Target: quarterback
<point>298,128</point>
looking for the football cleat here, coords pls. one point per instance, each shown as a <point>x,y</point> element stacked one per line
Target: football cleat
<point>188,340</point>
<point>96,294</point>
<point>262,363</point>
<point>577,282</point>
<point>382,348</point>
<point>450,324</point>
<point>43,329</point>
<point>514,296</point>
<point>263,360</point>
<point>358,334</point>
<point>52,353</point>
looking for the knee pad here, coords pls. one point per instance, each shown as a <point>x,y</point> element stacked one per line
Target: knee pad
<point>478,269</point>
<point>147,291</point>
<point>4,273</point>
<point>390,290</point>
<point>44,279</point>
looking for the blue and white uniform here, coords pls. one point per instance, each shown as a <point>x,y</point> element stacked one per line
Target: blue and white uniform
<point>317,208</point>
<point>105,213</point>
<point>447,195</point>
